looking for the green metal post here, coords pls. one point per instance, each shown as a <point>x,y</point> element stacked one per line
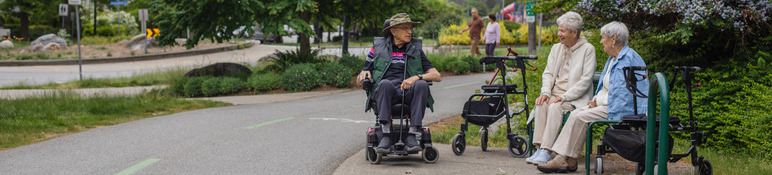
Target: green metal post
<point>658,84</point>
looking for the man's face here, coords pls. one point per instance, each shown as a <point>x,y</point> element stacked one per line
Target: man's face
<point>474,13</point>
<point>403,32</point>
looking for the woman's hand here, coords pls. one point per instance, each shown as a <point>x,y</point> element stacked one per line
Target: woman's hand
<point>592,103</point>
<point>558,99</point>
<point>542,99</point>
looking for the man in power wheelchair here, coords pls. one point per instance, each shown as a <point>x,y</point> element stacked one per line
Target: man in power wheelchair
<point>612,101</point>
<point>398,70</point>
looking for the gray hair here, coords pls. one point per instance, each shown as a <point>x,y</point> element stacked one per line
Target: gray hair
<point>572,21</point>
<point>618,29</point>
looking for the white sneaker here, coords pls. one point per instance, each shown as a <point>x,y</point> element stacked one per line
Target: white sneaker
<point>543,158</point>
<point>536,153</point>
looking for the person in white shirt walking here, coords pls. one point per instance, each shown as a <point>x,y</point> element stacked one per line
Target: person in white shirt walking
<point>492,36</point>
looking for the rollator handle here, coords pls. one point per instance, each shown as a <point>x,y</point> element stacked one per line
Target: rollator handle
<point>367,84</point>
<point>689,68</point>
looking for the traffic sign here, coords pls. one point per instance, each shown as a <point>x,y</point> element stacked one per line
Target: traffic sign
<point>529,15</point>
<point>142,13</point>
<point>63,9</point>
<point>154,32</point>
<point>117,2</point>
<point>74,2</point>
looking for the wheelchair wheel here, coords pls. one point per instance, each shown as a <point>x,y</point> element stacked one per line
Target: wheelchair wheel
<point>640,168</point>
<point>370,154</point>
<point>458,144</point>
<point>376,159</point>
<point>518,146</point>
<point>430,155</point>
<point>484,139</point>
<point>598,166</point>
<point>705,167</point>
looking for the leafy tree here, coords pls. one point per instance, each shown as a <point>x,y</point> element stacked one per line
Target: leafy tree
<point>27,9</point>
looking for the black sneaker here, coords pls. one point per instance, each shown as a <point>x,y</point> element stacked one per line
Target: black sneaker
<point>383,147</point>
<point>411,143</point>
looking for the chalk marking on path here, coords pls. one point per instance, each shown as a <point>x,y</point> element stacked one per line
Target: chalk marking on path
<point>138,167</point>
<point>269,122</point>
<point>459,85</point>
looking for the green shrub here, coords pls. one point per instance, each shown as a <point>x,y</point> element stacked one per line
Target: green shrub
<point>446,63</point>
<point>36,31</point>
<point>264,81</point>
<point>301,77</point>
<point>437,61</point>
<point>732,106</point>
<point>458,67</point>
<point>178,86</point>
<point>354,63</point>
<point>285,59</point>
<point>474,64</point>
<point>334,74</point>
<point>231,85</point>
<point>211,87</point>
<point>23,57</point>
<point>193,86</point>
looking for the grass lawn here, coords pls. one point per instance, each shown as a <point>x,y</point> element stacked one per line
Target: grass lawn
<point>156,78</point>
<point>34,119</point>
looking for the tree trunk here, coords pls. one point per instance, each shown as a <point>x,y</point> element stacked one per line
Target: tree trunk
<point>305,45</point>
<point>24,25</point>
<point>318,30</point>
<point>95,18</point>
<point>345,35</point>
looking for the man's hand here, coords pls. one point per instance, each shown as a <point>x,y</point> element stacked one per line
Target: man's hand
<point>362,76</point>
<point>557,99</point>
<point>592,103</point>
<point>407,83</point>
<point>542,99</point>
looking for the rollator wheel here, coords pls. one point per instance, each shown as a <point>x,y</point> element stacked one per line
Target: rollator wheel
<point>518,146</point>
<point>430,155</point>
<point>705,167</point>
<point>640,168</point>
<point>375,158</point>
<point>370,154</point>
<point>598,166</point>
<point>484,139</point>
<point>458,144</point>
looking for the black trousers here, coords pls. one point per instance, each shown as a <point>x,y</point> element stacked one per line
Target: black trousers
<point>489,48</point>
<point>388,93</point>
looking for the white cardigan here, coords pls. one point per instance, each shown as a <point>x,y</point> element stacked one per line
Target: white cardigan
<point>582,64</point>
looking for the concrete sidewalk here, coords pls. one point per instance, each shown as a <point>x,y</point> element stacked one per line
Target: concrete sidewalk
<point>475,161</point>
<point>271,98</point>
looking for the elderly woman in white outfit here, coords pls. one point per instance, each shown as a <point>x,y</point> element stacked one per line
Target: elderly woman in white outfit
<point>566,84</point>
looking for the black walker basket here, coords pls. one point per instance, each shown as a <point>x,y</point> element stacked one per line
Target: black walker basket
<point>493,105</point>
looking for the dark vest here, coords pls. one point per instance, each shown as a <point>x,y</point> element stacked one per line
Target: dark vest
<point>383,56</point>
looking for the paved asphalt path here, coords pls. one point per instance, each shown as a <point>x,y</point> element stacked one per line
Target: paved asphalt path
<point>309,136</point>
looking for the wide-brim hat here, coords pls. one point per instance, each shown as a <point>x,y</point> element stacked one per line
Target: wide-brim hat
<point>399,18</point>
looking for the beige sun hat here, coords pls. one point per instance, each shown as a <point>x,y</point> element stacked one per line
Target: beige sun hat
<point>398,19</point>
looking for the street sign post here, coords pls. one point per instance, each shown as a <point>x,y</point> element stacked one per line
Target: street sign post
<point>76,3</point>
<point>119,4</point>
<point>142,14</point>
<point>529,15</point>
<point>63,12</point>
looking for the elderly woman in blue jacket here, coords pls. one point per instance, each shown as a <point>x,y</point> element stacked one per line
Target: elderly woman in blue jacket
<point>611,102</point>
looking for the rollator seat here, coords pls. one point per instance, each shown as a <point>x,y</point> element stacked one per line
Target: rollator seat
<point>511,88</point>
<point>640,119</point>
